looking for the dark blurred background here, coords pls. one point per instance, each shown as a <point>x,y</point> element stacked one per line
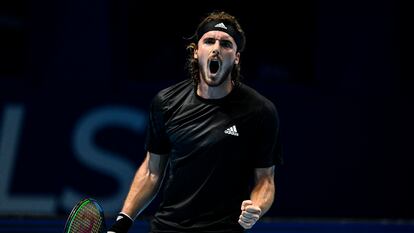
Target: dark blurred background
<point>76,79</point>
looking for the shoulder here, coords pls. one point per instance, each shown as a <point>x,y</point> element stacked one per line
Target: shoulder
<point>257,100</point>
<point>265,110</point>
<point>173,92</point>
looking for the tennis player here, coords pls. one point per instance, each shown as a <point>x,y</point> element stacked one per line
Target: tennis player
<point>213,139</point>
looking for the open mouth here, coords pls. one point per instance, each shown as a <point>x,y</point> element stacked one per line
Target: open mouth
<point>214,66</point>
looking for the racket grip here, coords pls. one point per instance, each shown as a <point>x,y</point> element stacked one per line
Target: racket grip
<point>122,224</point>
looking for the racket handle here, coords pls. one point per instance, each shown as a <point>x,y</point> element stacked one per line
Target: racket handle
<point>122,224</point>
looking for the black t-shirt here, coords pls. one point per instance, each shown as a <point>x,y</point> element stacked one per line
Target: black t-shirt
<point>213,145</point>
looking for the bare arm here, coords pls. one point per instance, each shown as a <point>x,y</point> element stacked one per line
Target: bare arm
<point>264,190</point>
<point>261,197</point>
<point>145,185</point>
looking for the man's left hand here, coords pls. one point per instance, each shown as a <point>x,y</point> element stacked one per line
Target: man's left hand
<point>250,213</point>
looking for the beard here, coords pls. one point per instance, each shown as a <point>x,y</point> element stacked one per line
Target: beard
<point>216,80</point>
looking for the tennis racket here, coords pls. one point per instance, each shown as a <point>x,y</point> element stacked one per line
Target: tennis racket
<point>86,217</point>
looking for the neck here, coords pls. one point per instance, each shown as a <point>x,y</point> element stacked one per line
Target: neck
<point>211,92</point>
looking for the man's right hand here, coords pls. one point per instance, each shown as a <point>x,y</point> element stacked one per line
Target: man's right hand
<point>122,224</point>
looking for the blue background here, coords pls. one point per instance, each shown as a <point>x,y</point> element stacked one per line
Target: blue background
<point>76,77</point>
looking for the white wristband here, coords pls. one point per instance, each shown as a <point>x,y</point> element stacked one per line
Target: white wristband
<point>125,215</point>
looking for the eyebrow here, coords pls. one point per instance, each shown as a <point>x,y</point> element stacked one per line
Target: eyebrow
<point>213,38</point>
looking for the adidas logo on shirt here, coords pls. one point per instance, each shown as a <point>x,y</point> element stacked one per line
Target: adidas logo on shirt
<point>232,131</point>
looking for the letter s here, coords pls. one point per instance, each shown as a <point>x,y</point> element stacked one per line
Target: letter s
<point>98,159</point>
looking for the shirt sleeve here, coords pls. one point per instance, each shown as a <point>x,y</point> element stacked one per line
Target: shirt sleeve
<point>269,149</point>
<point>156,138</point>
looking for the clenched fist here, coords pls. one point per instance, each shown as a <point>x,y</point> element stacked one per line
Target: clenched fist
<point>250,213</point>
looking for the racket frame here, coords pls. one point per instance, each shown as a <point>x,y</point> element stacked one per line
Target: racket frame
<point>78,207</point>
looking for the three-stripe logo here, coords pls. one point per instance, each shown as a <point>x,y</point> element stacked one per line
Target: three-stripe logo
<point>232,131</point>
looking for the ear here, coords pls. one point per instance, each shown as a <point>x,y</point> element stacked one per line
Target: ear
<point>195,56</point>
<point>237,60</point>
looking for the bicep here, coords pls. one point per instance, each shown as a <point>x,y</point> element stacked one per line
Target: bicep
<point>268,148</point>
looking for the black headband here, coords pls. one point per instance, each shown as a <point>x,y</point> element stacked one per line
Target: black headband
<point>220,26</point>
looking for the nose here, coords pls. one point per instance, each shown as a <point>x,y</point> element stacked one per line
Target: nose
<point>216,48</point>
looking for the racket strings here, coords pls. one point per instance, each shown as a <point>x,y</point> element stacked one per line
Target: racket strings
<point>87,220</point>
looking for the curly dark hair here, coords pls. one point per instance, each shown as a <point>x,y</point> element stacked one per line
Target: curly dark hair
<point>192,63</point>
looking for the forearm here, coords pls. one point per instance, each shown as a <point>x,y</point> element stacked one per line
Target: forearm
<point>261,198</point>
<point>143,189</point>
<point>263,194</point>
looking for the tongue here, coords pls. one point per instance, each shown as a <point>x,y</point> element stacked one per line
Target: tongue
<point>214,66</point>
